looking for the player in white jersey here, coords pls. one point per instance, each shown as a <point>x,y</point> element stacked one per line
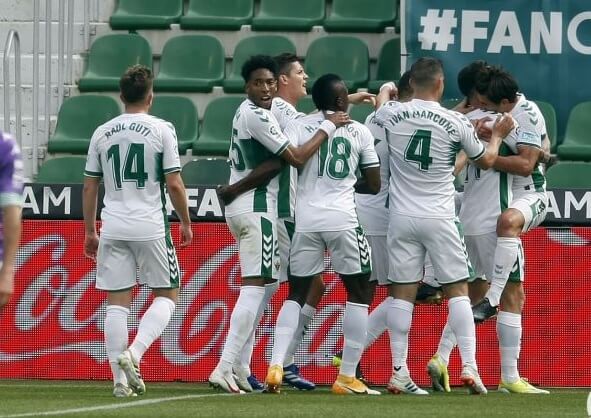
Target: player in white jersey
<point>135,154</point>
<point>251,216</point>
<point>423,140</point>
<point>497,90</point>
<point>326,218</point>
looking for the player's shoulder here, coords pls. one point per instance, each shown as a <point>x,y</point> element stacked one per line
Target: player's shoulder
<point>527,112</point>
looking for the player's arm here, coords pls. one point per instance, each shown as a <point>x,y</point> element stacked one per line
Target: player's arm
<point>362,97</point>
<point>461,162</point>
<point>260,175</point>
<point>370,182</point>
<point>503,125</point>
<point>178,198</point>
<point>369,164</point>
<point>388,91</point>
<point>89,207</point>
<point>11,223</point>
<point>521,164</point>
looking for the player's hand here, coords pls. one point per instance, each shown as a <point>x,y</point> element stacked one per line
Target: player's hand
<point>91,242</point>
<point>483,128</point>
<point>362,97</point>
<point>503,125</point>
<point>226,194</point>
<point>6,285</point>
<point>338,118</point>
<point>186,234</point>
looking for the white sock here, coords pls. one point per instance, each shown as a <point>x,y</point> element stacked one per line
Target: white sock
<point>306,315</point>
<point>461,321</point>
<point>446,343</point>
<point>399,320</point>
<point>506,254</point>
<point>245,356</point>
<point>285,328</point>
<point>151,325</point>
<point>377,322</point>
<point>116,339</point>
<point>509,335</point>
<point>354,333</point>
<point>241,324</point>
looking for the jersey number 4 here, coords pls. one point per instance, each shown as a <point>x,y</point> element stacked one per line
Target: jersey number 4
<point>418,149</point>
<point>335,162</point>
<point>133,169</point>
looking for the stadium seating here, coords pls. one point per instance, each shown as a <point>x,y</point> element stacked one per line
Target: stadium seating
<point>191,63</point>
<point>182,113</point>
<point>146,14</point>
<point>206,171</point>
<point>289,16</point>
<point>343,55</point>
<point>550,118</point>
<point>261,44</point>
<point>388,65</point>
<point>217,14</point>
<point>359,112</point>
<point>217,126</point>
<point>62,170</point>
<point>109,57</point>
<point>358,16</point>
<point>78,117</point>
<point>577,138</point>
<point>569,175</point>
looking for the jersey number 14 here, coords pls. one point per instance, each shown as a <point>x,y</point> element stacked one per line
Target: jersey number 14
<point>133,167</point>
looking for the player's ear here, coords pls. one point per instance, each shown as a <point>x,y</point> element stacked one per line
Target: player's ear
<point>282,79</point>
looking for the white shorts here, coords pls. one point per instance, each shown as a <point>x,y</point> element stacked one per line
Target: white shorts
<point>256,235</point>
<point>349,252</point>
<point>285,231</point>
<point>481,252</point>
<point>410,238</point>
<point>533,206</point>
<point>379,259</point>
<point>118,263</point>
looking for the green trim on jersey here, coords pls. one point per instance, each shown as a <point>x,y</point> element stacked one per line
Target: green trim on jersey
<point>290,228</point>
<point>89,173</point>
<point>267,244</point>
<point>538,179</point>
<point>254,152</point>
<point>259,203</point>
<point>171,170</point>
<point>173,264</point>
<point>460,228</point>
<point>284,195</point>
<point>364,252</point>
<point>503,191</point>
<point>453,152</point>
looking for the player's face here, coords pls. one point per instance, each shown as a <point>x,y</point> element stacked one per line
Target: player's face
<point>297,80</point>
<point>485,103</point>
<point>261,87</point>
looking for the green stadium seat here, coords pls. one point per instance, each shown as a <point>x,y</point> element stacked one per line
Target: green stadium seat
<point>550,118</point>
<point>62,170</point>
<point>388,65</point>
<point>206,171</point>
<point>217,14</point>
<point>109,58</point>
<point>77,119</point>
<point>191,63</point>
<point>261,44</point>
<point>358,16</point>
<point>569,175</point>
<point>182,113</point>
<point>343,55</point>
<point>289,16</point>
<point>146,14</point>
<point>217,126</point>
<point>360,112</point>
<point>306,105</point>
<point>577,138</point>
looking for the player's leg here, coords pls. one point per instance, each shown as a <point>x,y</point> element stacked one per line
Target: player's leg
<point>256,236</point>
<point>306,261</point>
<point>116,273</point>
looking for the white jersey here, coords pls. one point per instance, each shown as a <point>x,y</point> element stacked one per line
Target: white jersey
<point>373,209</point>
<point>423,140</point>
<point>326,195</point>
<point>285,112</point>
<point>486,192</point>
<point>256,137</point>
<point>132,153</point>
<point>531,131</point>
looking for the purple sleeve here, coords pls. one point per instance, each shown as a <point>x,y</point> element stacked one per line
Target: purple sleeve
<point>11,171</point>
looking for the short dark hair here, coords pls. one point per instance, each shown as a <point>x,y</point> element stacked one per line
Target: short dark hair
<point>323,94</point>
<point>467,76</point>
<point>496,84</point>
<point>425,71</point>
<point>136,83</point>
<point>284,62</point>
<point>404,88</point>
<point>257,62</point>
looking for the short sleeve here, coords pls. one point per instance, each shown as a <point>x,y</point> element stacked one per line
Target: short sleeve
<point>93,166</point>
<point>367,154</point>
<point>469,139</point>
<point>264,128</point>
<point>11,174</point>
<point>171,160</point>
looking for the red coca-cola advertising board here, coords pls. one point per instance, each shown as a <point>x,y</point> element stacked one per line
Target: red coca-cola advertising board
<point>52,328</point>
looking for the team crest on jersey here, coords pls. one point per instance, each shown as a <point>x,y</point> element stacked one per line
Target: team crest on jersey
<point>273,130</point>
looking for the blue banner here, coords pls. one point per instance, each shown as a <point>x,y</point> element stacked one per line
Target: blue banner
<point>545,44</point>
